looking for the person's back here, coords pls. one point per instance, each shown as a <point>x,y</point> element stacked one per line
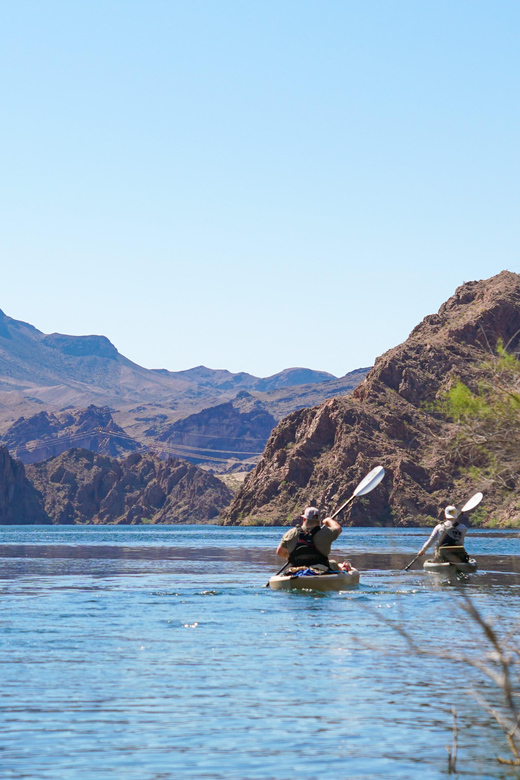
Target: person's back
<point>310,543</point>
<point>453,534</point>
<point>448,537</point>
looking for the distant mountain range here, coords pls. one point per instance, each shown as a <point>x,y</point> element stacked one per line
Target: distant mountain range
<point>51,380</point>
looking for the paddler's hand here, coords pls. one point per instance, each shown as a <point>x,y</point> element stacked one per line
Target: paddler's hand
<point>328,522</point>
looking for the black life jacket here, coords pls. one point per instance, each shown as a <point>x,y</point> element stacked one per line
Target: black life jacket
<point>453,537</point>
<point>306,553</point>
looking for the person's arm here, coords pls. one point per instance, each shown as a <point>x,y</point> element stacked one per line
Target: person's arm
<point>328,522</point>
<point>431,540</point>
<point>287,542</point>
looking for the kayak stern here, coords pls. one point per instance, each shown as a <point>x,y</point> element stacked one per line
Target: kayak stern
<point>323,582</point>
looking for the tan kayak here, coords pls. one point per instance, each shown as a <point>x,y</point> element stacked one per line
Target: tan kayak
<point>444,567</point>
<point>338,580</point>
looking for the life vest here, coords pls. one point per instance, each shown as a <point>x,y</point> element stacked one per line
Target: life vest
<point>306,553</point>
<point>453,537</point>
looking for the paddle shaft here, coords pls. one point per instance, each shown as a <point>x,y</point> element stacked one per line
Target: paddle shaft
<point>286,564</point>
<point>412,562</point>
<point>342,507</point>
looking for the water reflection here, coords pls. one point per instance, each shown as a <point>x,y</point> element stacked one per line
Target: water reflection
<point>198,556</point>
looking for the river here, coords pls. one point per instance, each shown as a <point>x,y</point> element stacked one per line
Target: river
<point>155,653</point>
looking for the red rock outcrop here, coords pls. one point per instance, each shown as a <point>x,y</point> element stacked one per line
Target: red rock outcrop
<point>46,434</point>
<point>80,486</point>
<point>235,431</point>
<point>317,455</point>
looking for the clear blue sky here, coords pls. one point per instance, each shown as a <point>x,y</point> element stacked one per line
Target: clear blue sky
<point>254,184</point>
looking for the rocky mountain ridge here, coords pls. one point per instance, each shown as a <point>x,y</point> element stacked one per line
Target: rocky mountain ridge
<point>317,455</point>
<point>80,486</point>
<point>55,373</point>
<point>236,430</point>
<point>45,435</point>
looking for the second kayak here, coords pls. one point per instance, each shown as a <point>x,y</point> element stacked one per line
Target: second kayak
<point>444,567</point>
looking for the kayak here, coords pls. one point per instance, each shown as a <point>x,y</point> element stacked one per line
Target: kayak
<point>444,567</point>
<point>338,580</point>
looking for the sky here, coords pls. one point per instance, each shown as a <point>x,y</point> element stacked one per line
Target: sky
<point>254,184</point>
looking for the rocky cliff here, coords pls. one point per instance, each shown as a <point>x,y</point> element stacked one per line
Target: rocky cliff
<point>232,432</point>
<point>80,486</point>
<point>46,434</point>
<point>20,502</point>
<point>317,455</point>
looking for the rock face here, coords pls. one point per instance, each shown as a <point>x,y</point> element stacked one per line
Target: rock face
<point>45,434</point>
<point>20,502</point>
<point>231,436</point>
<point>235,431</point>
<point>80,486</point>
<point>318,455</point>
<point>81,346</point>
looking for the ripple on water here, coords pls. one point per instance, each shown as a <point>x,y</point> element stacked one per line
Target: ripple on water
<point>252,685</point>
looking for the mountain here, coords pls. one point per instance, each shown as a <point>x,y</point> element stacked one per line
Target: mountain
<point>233,435</point>
<point>282,401</point>
<point>225,380</point>
<point>57,373</point>
<point>80,486</point>
<point>46,434</point>
<point>317,455</point>
<point>237,430</point>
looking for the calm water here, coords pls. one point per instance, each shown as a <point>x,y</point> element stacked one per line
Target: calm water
<point>156,653</point>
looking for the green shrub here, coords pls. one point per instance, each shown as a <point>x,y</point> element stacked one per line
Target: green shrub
<point>484,437</point>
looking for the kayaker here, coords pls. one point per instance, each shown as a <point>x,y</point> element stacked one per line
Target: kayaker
<point>448,538</point>
<point>309,544</point>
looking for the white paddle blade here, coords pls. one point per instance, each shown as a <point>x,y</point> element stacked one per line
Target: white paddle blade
<point>472,503</point>
<point>371,481</point>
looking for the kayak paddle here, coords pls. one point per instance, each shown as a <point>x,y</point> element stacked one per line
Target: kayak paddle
<point>367,484</point>
<point>412,562</point>
<point>472,503</point>
<point>468,506</point>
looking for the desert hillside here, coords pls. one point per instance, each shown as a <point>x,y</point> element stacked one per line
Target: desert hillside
<point>395,418</point>
<point>49,381</point>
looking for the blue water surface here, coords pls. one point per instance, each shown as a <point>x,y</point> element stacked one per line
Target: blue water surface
<point>156,652</point>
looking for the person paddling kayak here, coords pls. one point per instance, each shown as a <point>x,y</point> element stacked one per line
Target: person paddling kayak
<point>309,544</point>
<point>448,538</point>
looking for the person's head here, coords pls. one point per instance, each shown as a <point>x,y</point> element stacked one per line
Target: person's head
<point>311,516</point>
<point>451,512</point>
